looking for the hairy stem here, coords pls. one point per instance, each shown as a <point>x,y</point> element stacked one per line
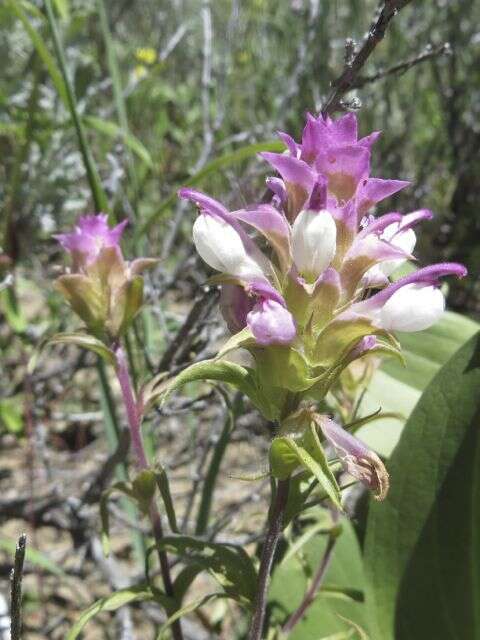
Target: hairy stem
<point>134,422</point>
<point>268,552</point>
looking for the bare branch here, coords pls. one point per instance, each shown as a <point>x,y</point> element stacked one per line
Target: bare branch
<point>354,64</point>
<point>429,53</point>
<point>190,328</point>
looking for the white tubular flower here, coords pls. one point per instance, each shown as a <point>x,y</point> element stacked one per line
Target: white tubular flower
<point>224,249</point>
<point>314,236</point>
<point>412,308</point>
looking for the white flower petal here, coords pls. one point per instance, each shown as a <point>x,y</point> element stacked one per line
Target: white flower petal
<point>412,308</point>
<point>314,236</point>
<point>222,247</point>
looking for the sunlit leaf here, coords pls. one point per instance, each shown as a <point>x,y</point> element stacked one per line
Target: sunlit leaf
<point>85,341</point>
<point>396,389</point>
<point>422,543</point>
<point>139,593</point>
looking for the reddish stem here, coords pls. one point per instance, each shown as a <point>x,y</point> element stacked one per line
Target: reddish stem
<point>134,416</point>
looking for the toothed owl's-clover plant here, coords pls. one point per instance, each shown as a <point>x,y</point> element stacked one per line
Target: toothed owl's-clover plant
<point>322,297</point>
<point>309,288</point>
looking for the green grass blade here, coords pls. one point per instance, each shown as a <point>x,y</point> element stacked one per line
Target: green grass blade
<point>243,153</point>
<point>130,141</point>
<point>98,193</point>
<point>39,43</point>
<point>113,130</point>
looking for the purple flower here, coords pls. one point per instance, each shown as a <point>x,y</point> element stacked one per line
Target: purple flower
<point>103,289</point>
<point>269,320</point>
<point>90,236</point>
<point>319,222</point>
<point>357,459</point>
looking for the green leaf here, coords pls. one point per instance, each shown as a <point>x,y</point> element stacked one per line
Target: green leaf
<point>114,131</point>
<point>63,8</point>
<point>230,565</point>
<point>239,340</point>
<point>86,342</point>
<point>39,43</point>
<point>163,485</point>
<point>126,489</point>
<point>300,488</point>
<point>68,96</point>
<point>11,414</point>
<point>243,153</point>
<point>423,542</point>
<point>287,453</point>
<point>188,608</point>
<point>340,595</point>
<point>242,378</point>
<point>284,368</point>
<point>12,310</point>
<point>396,388</point>
<point>139,593</point>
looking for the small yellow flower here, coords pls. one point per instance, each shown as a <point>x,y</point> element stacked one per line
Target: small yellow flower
<point>140,72</point>
<point>147,55</point>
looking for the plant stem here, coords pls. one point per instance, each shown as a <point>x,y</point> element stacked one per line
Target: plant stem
<point>311,593</point>
<point>134,422</point>
<point>16,589</point>
<point>279,502</point>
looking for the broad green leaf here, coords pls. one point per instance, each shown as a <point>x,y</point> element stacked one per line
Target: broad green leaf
<point>37,558</point>
<point>341,594</point>
<point>423,542</point>
<point>230,565</point>
<point>222,162</point>
<point>86,342</point>
<point>113,130</point>
<point>396,389</point>
<point>139,593</point>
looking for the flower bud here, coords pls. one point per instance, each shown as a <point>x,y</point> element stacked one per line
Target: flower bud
<point>412,308</point>
<point>222,247</point>
<point>269,320</point>
<point>102,288</point>
<point>271,323</point>
<point>314,237</point>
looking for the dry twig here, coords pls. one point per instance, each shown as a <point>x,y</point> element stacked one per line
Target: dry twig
<point>16,589</point>
<point>355,62</point>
